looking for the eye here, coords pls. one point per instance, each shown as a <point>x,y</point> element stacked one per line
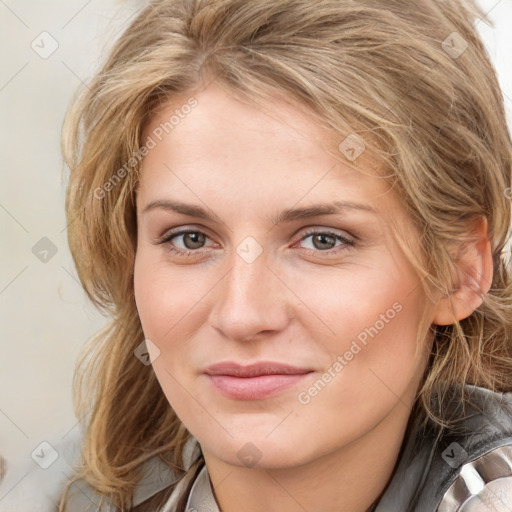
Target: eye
<point>184,242</point>
<point>190,242</point>
<point>191,239</point>
<point>326,241</point>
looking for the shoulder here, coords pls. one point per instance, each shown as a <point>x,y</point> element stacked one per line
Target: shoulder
<point>38,483</point>
<point>465,467</point>
<point>156,485</point>
<point>477,457</point>
<point>155,488</point>
<point>484,483</point>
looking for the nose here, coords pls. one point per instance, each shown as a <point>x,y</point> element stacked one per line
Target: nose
<point>251,300</point>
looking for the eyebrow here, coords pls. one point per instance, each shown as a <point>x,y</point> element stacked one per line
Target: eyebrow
<point>287,215</point>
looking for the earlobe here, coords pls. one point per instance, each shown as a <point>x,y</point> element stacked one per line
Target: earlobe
<point>472,279</point>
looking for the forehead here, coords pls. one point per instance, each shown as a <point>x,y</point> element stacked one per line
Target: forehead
<point>223,145</point>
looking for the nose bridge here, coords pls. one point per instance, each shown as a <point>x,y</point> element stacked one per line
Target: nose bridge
<point>251,299</point>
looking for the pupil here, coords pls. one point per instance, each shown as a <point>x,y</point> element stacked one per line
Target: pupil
<point>196,238</point>
<point>322,238</point>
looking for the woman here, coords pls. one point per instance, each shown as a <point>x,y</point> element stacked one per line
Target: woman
<point>297,215</point>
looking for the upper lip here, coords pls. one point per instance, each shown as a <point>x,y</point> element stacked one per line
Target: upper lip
<point>255,369</point>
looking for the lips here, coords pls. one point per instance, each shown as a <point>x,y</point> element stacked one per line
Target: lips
<point>256,381</point>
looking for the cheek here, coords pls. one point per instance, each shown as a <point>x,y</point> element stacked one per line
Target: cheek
<point>166,299</point>
<point>358,302</point>
<point>383,361</point>
<point>167,305</point>
<point>374,364</point>
<point>372,318</point>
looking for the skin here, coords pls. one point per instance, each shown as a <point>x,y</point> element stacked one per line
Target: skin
<point>299,302</point>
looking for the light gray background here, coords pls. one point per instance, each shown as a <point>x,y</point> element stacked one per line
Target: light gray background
<point>44,314</point>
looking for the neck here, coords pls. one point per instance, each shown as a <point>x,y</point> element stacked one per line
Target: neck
<point>351,478</point>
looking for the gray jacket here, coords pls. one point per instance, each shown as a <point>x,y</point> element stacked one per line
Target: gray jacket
<point>466,469</point>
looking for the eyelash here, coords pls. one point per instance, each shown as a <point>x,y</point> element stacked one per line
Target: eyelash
<point>348,243</point>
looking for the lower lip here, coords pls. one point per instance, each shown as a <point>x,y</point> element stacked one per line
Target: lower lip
<point>255,388</point>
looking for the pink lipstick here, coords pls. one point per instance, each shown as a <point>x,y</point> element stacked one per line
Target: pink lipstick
<point>256,381</point>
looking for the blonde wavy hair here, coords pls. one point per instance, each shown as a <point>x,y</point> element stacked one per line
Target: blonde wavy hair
<point>380,69</point>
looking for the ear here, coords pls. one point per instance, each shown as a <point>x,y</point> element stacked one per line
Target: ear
<point>472,280</point>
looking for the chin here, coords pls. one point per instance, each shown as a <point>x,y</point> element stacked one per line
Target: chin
<point>258,449</point>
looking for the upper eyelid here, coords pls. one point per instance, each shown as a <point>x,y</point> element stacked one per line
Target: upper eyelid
<point>180,232</point>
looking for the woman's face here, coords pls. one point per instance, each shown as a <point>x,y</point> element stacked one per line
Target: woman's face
<point>258,247</point>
